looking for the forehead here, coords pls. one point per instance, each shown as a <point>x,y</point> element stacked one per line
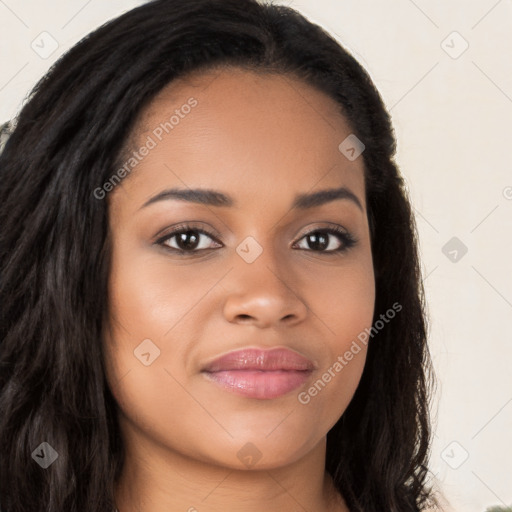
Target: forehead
<point>248,132</point>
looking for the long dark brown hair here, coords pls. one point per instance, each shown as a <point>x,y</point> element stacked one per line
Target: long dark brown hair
<point>55,255</point>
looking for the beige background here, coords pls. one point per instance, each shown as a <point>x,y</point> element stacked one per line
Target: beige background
<point>452,111</point>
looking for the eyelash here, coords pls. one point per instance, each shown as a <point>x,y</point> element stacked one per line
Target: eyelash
<point>347,239</point>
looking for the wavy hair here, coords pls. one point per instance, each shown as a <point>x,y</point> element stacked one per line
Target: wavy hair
<point>55,253</point>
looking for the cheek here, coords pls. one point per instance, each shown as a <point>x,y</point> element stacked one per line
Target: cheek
<point>148,308</point>
<point>149,295</point>
<point>152,308</point>
<point>343,301</point>
<point>352,307</point>
<point>344,308</point>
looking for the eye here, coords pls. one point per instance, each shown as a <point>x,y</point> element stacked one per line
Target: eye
<point>320,240</point>
<point>187,239</point>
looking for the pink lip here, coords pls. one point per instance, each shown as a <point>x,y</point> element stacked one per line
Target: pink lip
<point>262,374</point>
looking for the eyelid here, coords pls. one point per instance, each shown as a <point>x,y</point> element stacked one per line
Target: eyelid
<point>181,227</point>
<point>325,227</point>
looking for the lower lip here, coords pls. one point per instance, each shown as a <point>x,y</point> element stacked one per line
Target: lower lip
<point>263,385</point>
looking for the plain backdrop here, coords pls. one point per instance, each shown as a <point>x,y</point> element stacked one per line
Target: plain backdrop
<point>444,70</point>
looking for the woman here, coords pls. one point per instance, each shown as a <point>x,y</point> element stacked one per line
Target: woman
<point>211,295</point>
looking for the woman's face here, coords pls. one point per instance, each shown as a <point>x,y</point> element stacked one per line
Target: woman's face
<point>256,281</point>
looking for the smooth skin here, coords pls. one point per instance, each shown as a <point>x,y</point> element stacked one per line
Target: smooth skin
<point>262,139</point>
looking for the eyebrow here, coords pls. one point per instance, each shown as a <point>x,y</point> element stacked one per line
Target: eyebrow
<point>215,198</point>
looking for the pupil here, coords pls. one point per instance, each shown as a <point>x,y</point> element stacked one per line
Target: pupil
<point>183,244</point>
<point>314,242</point>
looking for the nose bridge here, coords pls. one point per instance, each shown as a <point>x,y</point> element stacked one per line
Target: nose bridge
<point>261,261</point>
<point>261,289</point>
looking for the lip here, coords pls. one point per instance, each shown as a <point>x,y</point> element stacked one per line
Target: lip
<point>261,374</point>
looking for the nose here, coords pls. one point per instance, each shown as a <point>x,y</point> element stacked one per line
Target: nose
<point>264,293</point>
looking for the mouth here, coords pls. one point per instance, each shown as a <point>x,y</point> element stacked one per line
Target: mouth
<point>260,374</point>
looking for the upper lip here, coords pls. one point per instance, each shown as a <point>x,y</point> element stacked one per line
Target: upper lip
<point>257,359</point>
